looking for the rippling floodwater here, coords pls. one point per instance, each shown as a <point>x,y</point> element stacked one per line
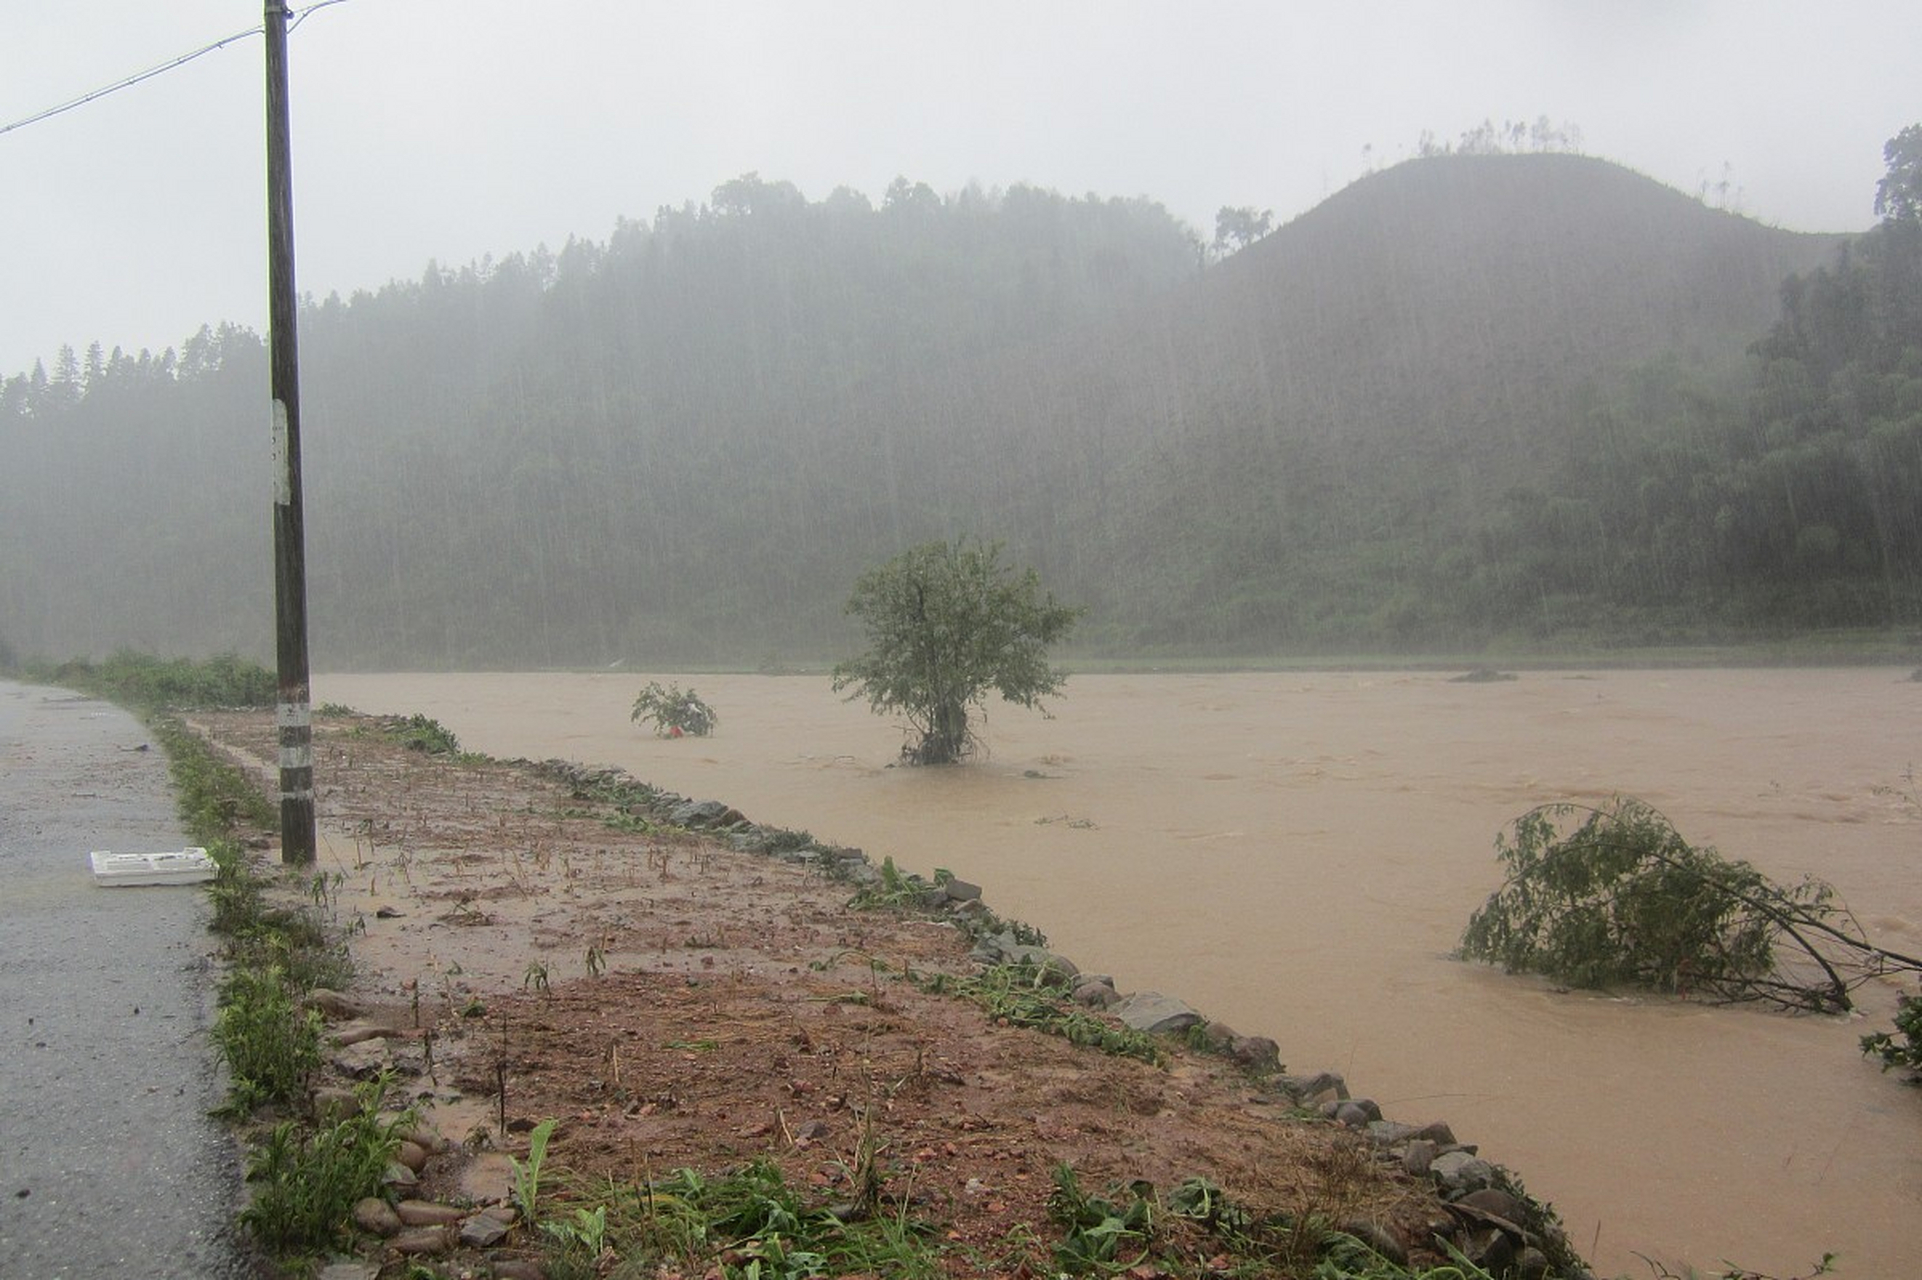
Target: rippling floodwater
<point>1296,854</point>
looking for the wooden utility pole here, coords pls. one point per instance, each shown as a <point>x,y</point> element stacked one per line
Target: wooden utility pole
<point>292,715</point>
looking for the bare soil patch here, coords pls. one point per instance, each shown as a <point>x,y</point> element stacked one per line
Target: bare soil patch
<point>674,1003</point>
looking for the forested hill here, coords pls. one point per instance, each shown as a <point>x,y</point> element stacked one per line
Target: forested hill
<point>685,442</point>
<point>1326,427</point>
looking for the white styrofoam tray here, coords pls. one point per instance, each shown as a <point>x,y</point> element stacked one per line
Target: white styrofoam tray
<point>178,866</point>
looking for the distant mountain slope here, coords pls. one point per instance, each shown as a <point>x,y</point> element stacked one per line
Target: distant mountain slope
<point>685,443</point>
<point>1321,415</point>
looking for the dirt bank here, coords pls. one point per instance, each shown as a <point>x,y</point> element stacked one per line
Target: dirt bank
<point>546,944</point>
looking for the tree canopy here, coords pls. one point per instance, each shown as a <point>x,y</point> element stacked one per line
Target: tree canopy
<point>947,622</point>
<point>1898,196</point>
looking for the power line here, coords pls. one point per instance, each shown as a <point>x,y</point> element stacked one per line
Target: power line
<point>81,101</point>
<point>299,16</point>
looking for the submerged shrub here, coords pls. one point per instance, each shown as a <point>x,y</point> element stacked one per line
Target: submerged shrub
<point>674,711</point>
<point>1615,896</point>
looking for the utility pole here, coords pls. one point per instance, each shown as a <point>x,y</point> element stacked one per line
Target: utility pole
<point>292,715</point>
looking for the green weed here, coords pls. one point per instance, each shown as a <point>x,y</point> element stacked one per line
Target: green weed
<point>1100,1236</point>
<point>307,1182</point>
<point>153,684</point>
<point>271,1045</point>
<point>527,1177</point>
<point>1019,995</point>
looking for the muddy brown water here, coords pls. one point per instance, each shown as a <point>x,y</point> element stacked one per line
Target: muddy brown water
<point>1296,855</point>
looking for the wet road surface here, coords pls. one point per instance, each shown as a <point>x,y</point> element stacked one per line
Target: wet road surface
<point>109,1163</point>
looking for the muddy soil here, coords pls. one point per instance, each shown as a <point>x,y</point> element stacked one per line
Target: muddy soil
<point>674,1003</point>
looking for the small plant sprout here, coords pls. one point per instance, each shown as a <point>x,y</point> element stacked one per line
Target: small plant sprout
<point>613,1058</point>
<point>535,979</point>
<point>588,1231</point>
<point>596,961</point>
<point>527,1177</point>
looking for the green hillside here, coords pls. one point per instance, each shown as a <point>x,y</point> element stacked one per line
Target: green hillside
<point>683,444</point>
<point>1344,407</point>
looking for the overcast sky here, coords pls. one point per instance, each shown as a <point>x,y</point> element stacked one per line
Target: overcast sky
<point>449,129</point>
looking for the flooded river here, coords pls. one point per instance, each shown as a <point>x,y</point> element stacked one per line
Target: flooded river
<point>1296,855</point>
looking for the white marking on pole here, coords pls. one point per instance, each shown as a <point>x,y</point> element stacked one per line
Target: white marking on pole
<point>283,459</point>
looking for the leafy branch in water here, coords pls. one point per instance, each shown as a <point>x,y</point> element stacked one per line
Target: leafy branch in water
<point>674,711</point>
<point>422,733</point>
<point>1904,1048</point>
<point>1615,896</point>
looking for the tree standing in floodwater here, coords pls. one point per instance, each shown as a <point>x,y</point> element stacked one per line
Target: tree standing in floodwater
<point>946,623</point>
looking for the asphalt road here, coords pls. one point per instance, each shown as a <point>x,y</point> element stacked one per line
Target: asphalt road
<point>109,1163</point>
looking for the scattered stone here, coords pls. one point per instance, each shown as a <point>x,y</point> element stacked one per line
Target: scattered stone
<point>349,1269</point>
<point>358,1032</point>
<point>375,1216</point>
<point>421,1134</point>
<point>1096,995</point>
<point>1377,1237</point>
<point>1418,1155</point>
<point>1256,1053</point>
<point>704,813</point>
<point>962,891</point>
<point>400,1177</point>
<point>1313,1088</point>
<point>1531,1264</point>
<point>361,1061</point>
<point>482,1231</point>
<point>1460,1171</point>
<point>1387,1133</point>
<point>487,1177</point>
<point>1059,969</point>
<point>1352,1114</point>
<point>1217,1036</point>
<point>425,1213</point>
<point>1055,970</point>
<point>335,1105</point>
<point>418,1242</point>
<point>519,1269</point>
<point>1496,1203</point>
<point>1154,1013</point>
<point>1489,1248</point>
<point>333,1004</point>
